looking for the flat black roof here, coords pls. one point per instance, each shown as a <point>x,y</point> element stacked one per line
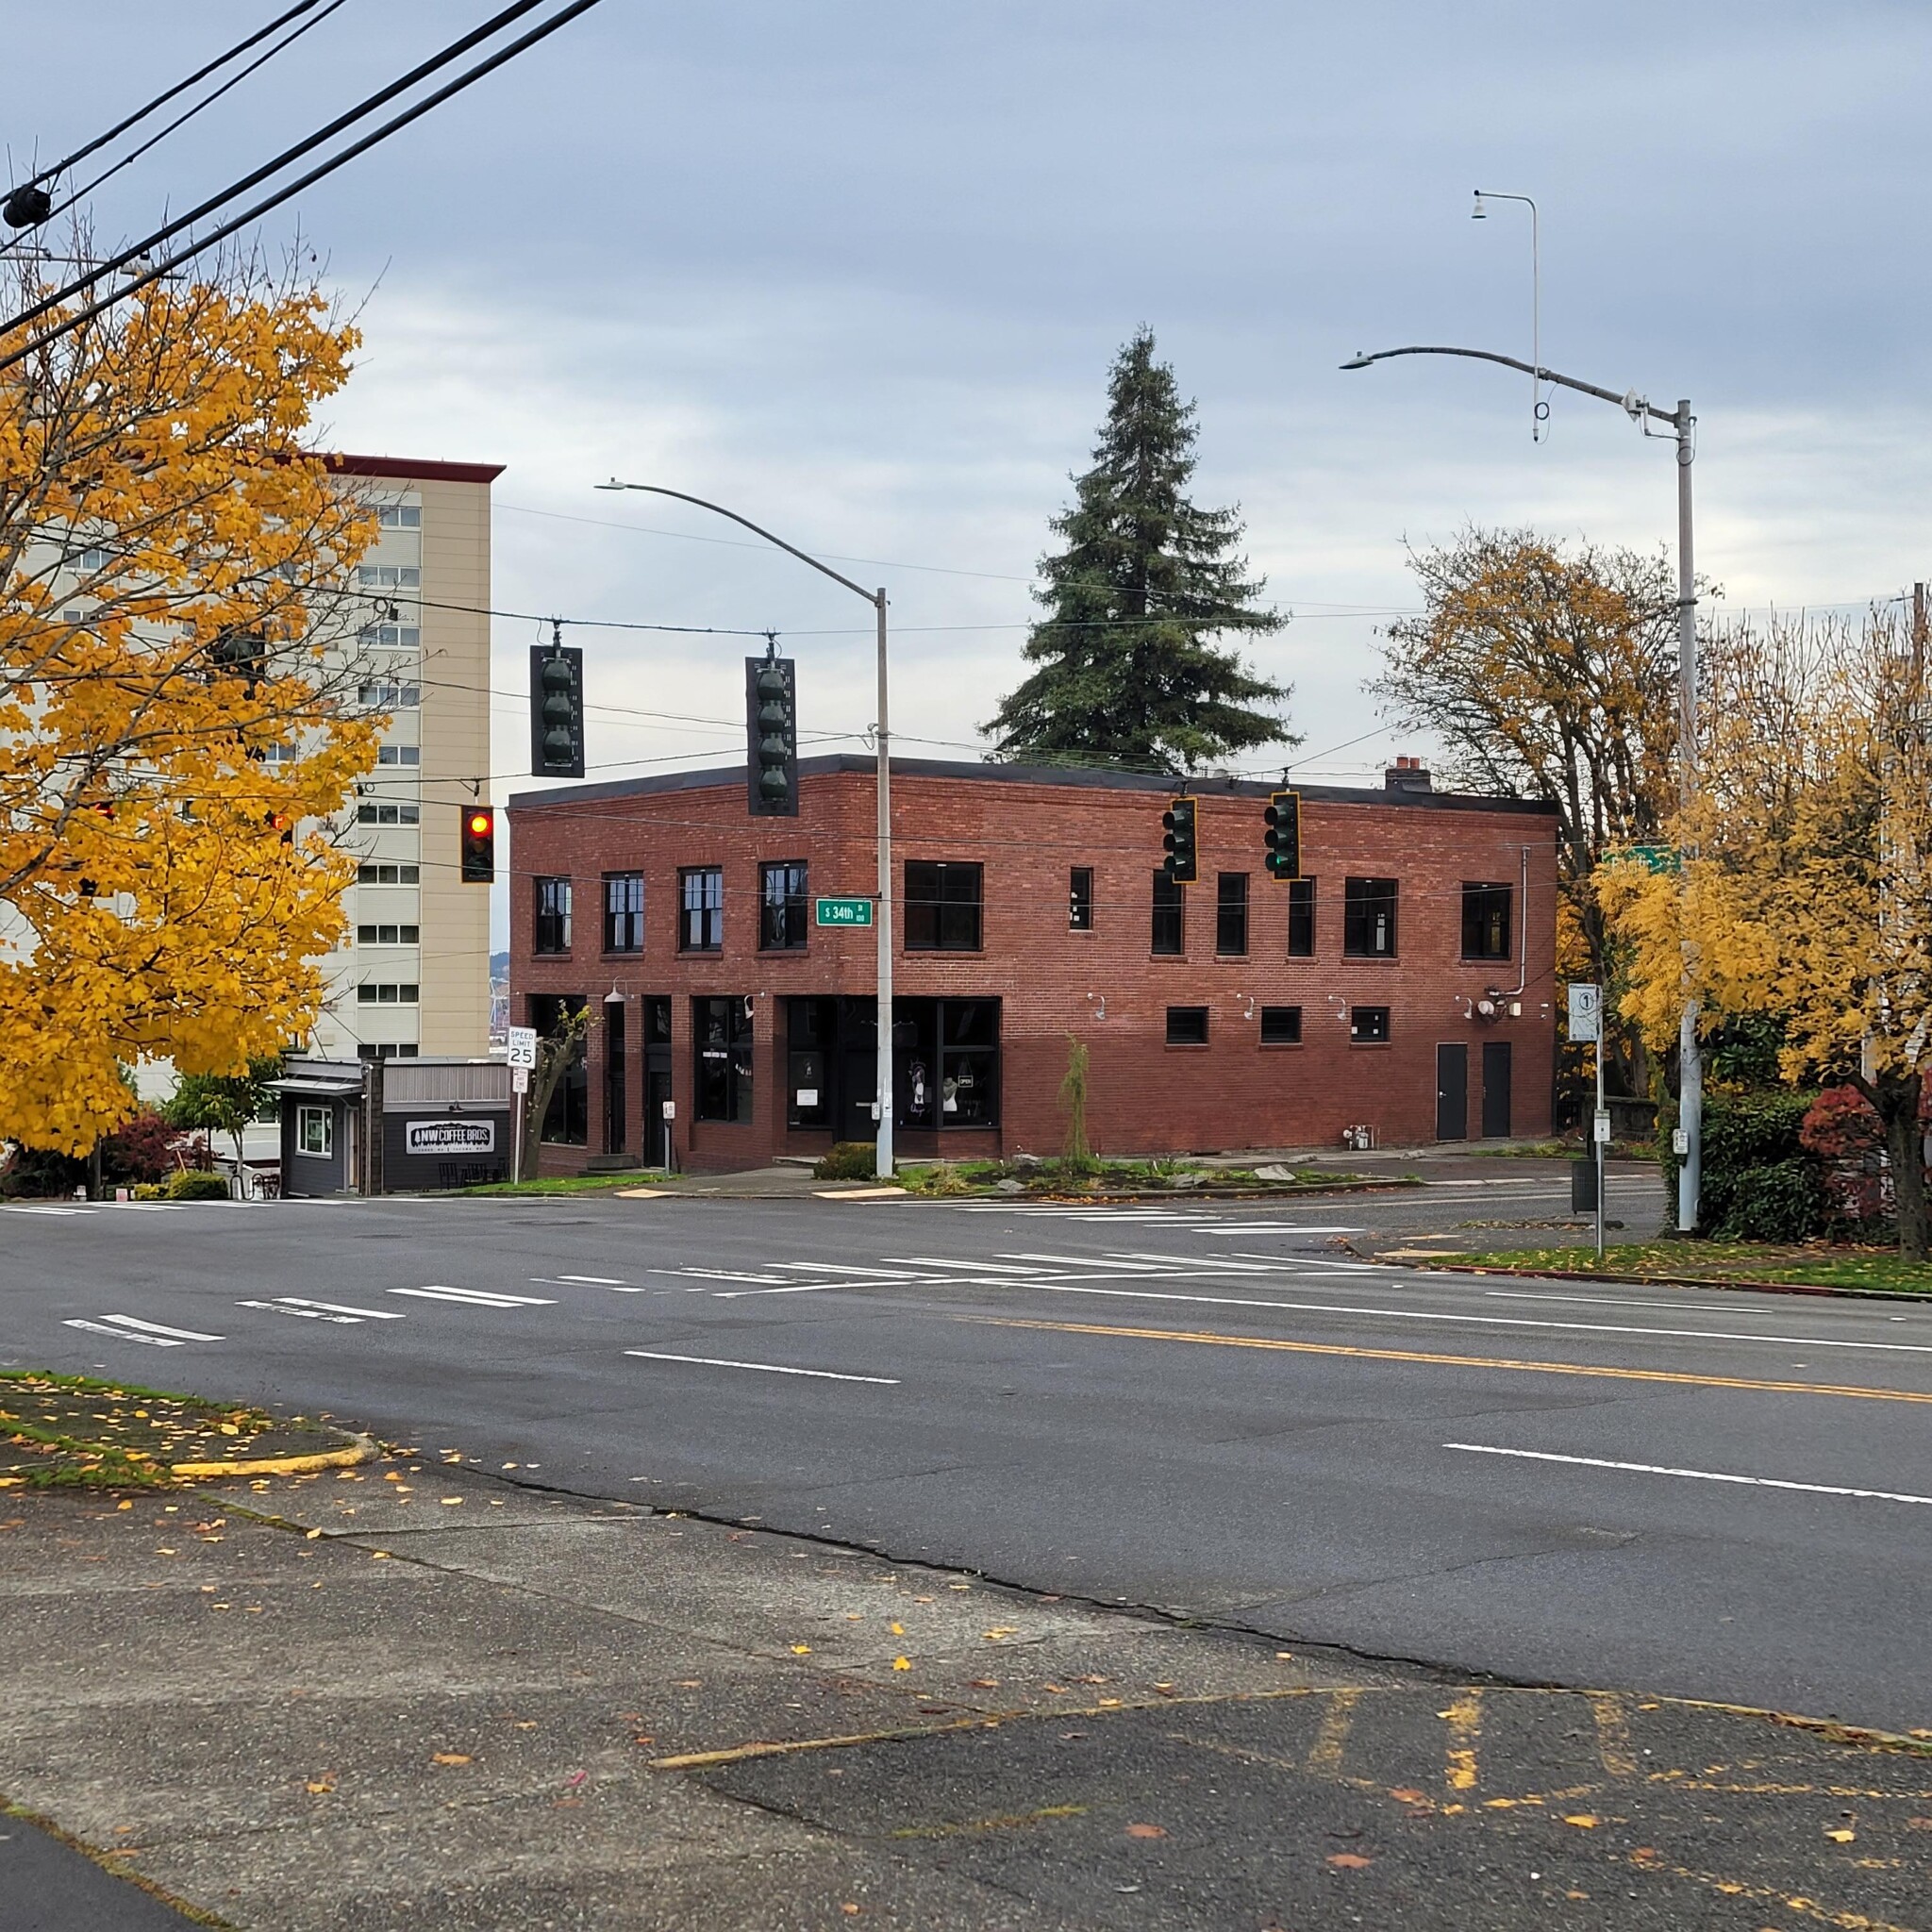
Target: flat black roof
<point>1081,778</point>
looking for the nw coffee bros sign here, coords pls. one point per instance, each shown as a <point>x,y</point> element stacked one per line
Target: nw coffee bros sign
<point>450,1136</point>
<point>446,1148</point>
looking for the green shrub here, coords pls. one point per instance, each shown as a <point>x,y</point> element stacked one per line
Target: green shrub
<point>1781,1202</point>
<point>192,1186</point>
<point>849,1160</point>
<point>1750,1142</point>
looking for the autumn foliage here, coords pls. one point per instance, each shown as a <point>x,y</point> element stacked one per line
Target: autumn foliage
<point>175,732</point>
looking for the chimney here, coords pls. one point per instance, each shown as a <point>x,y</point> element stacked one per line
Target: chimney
<point>1406,775</point>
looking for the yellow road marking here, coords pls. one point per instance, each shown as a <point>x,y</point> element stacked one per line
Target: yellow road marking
<point>1465,1718</point>
<point>1613,1735</point>
<point>1682,1377</point>
<point>1331,1739</point>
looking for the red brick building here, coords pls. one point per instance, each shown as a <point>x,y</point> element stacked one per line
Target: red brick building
<point>1405,985</point>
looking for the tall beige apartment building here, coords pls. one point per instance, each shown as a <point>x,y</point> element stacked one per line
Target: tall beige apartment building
<point>412,976</point>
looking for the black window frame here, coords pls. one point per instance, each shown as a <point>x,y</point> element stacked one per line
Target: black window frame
<point>1363,1026</point>
<point>550,923</point>
<point>1364,903</point>
<point>701,912</point>
<point>1231,915</point>
<point>1080,898</point>
<point>1491,905</point>
<point>722,1058</point>
<point>1187,1026</point>
<point>1301,919</point>
<point>784,919</point>
<point>939,915</point>
<point>624,924</point>
<point>1281,1025</point>
<point>1168,930</point>
<point>566,1121</point>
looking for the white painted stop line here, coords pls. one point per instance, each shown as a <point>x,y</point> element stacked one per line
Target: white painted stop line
<point>712,1361</point>
<point>1702,1476</point>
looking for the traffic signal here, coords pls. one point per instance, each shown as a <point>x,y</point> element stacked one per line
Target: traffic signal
<point>557,712</point>
<point>243,654</point>
<point>1182,863</point>
<point>1283,819</point>
<point>477,844</point>
<point>771,709</point>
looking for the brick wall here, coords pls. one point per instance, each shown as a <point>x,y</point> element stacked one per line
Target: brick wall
<point>1144,1095</point>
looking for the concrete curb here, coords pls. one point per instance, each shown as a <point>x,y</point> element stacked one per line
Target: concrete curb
<point>355,1449</point>
<point>1867,1294</point>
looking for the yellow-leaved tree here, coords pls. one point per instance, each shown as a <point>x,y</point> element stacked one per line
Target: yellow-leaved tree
<point>1550,672</point>
<point>1806,892</point>
<point>175,718</point>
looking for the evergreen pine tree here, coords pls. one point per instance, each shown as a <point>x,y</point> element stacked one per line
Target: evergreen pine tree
<point>1125,674</point>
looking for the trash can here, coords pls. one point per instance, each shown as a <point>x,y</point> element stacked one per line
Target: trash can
<point>1583,1186</point>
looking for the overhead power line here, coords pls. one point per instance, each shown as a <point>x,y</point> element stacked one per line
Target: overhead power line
<point>41,216</point>
<point>139,114</point>
<point>144,248</point>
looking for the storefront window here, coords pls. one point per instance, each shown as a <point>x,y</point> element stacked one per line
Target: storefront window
<point>720,1037</point>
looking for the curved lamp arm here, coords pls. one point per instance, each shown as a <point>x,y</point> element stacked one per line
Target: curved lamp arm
<point>1634,406</point>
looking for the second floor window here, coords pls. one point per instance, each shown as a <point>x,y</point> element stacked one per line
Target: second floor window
<point>782,907</point>
<point>1368,918</point>
<point>1301,919</point>
<point>624,913</point>
<point>1485,921</point>
<point>701,911</point>
<point>1231,913</point>
<point>1170,914</point>
<point>943,907</point>
<point>1080,899</point>
<point>551,933</point>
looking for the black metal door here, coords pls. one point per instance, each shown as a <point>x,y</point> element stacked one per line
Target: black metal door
<point>1452,1093</point>
<point>657,1128</point>
<point>1495,1089</point>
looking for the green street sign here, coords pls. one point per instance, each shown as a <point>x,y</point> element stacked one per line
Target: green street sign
<point>844,912</point>
<point>1659,858</point>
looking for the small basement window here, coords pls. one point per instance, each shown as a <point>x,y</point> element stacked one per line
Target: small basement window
<point>1281,1025</point>
<point>1187,1025</point>
<point>1368,1025</point>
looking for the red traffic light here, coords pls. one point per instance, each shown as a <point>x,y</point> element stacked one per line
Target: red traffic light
<point>477,844</point>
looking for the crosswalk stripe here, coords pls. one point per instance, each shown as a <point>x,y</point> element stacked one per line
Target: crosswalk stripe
<point>121,1334</point>
<point>160,1328</point>
<point>306,1313</point>
<point>850,1268</point>
<point>477,1297</point>
<point>297,1301</point>
<point>970,1267</point>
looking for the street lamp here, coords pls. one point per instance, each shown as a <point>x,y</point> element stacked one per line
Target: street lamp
<point>883,1152</point>
<point>1538,409</point>
<point>1644,414</point>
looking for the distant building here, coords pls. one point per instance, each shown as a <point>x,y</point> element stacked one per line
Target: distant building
<point>1403,987</point>
<point>412,977</point>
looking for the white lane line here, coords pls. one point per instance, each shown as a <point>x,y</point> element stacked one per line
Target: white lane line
<point>53,1211</point>
<point>709,1361</point>
<point>1186,1264</point>
<point>849,1268</point>
<point>971,1267</point>
<point>713,1275</point>
<point>1702,1476</point>
<point>1279,1228</point>
<point>151,1207</point>
<point>592,1280</point>
<point>734,1294</point>
<point>297,1301</point>
<point>121,1334</point>
<point>477,1297</point>
<point>1151,1294</point>
<point>307,1314</point>
<point>160,1328</point>
<point>1619,1301</point>
<point>1313,1262</point>
<point>1113,1266</point>
<point>581,1281</point>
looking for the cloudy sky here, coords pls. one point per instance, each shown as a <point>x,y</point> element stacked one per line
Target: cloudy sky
<point>858,269</point>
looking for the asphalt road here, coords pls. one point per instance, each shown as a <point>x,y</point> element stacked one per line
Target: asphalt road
<point>1210,1408</point>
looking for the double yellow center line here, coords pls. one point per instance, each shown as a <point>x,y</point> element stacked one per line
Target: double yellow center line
<point>1685,1378</point>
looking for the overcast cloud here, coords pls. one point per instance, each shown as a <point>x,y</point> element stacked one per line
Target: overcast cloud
<point>857,270</point>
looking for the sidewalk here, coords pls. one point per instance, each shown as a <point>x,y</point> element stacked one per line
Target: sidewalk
<point>409,1695</point>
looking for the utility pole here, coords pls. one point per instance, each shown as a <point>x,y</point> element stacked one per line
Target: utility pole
<point>1690,1050</point>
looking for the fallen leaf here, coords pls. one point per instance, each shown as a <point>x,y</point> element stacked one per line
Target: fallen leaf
<point>801,1650</point>
<point>321,1784</point>
<point>393,1475</point>
<point>849,1909</point>
<point>1349,1861</point>
<point>1145,1831</point>
<point>449,1758</point>
<point>311,1534</point>
<point>123,1505</point>
<point>1840,1837</point>
<point>1407,1795</point>
<point>901,1663</point>
<point>1582,1819</point>
<point>897,1629</point>
<point>982,1683</point>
